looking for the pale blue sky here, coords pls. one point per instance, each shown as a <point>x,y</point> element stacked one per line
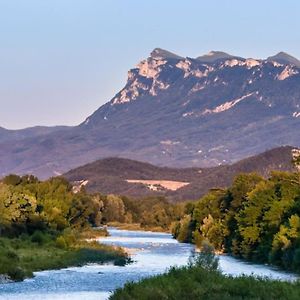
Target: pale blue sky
<point>62,59</point>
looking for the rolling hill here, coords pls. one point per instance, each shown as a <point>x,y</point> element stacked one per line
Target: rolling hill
<point>138,179</point>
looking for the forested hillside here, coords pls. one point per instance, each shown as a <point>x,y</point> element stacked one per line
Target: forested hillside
<point>121,176</point>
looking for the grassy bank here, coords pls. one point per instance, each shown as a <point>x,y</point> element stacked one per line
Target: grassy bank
<point>198,283</point>
<point>201,279</point>
<point>45,225</point>
<point>20,257</point>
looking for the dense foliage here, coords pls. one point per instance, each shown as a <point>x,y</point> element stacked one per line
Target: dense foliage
<point>28,205</point>
<point>153,213</point>
<point>47,220</point>
<point>197,283</point>
<point>256,219</point>
<point>44,225</point>
<point>201,279</point>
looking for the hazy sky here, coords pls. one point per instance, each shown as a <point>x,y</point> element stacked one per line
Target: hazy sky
<point>62,59</point>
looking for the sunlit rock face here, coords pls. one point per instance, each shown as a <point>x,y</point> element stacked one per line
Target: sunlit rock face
<point>218,107</point>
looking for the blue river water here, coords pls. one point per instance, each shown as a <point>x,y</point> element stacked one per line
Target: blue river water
<point>153,253</point>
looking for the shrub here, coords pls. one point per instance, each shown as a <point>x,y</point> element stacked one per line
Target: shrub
<point>12,255</point>
<point>12,179</point>
<point>38,237</point>
<point>121,261</point>
<point>61,242</point>
<point>9,264</point>
<point>205,259</point>
<point>16,273</point>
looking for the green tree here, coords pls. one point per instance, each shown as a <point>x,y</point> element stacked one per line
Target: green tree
<point>12,179</point>
<point>114,209</point>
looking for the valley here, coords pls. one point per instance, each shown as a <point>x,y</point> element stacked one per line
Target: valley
<point>149,150</point>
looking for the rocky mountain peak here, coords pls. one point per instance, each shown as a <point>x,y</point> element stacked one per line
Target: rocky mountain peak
<point>145,78</point>
<point>177,111</point>
<point>284,58</point>
<point>159,53</point>
<point>213,56</point>
<point>158,72</point>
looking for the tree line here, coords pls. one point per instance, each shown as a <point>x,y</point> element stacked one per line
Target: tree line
<point>255,218</point>
<point>28,205</point>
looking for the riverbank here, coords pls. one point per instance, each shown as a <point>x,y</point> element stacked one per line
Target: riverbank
<point>153,254</point>
<point>21,257</point>
<point>199,283</point>
<point>137,227</point>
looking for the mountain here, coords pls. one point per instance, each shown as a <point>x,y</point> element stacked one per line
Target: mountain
<point>159,53</point>
<point>284,58</point>
<point>139,179</point>
<point>15,135</point>
<point>177,112</point>
<point>214,56</point>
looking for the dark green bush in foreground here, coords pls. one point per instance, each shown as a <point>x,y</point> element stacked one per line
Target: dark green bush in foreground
<point>201,279</point>
<point>198,283</point>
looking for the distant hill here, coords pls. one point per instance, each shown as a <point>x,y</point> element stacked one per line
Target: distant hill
<point>31,132</point>
<point>111,175</point>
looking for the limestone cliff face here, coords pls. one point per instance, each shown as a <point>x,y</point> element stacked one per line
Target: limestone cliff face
<point>175,111</point>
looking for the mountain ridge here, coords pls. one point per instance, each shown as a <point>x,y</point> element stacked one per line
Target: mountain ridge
<point>213,56</point>
<point>19,134</point>
<point>283,57</point>
<point>175,111</point>
<point>133,178</point>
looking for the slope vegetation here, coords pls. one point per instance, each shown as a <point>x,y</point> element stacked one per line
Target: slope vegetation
<point>138,179</point>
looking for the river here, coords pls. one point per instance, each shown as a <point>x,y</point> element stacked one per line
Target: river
<point>152,253</point>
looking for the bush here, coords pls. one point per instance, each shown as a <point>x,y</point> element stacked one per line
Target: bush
<point>61,242</point>
<point>12,179</point>
<point>12,255</point>
<point>70,237</point>
<point>205,259</point>
<point>121,261</point>
<point>38,237</point>
<point>16,273</point>
<point>196,283</point>
<point>9,264</point>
